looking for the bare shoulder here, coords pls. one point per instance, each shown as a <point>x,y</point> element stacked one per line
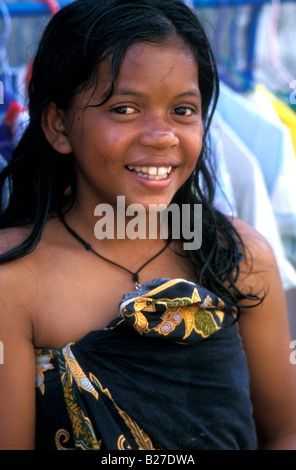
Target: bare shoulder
<point>254,242</point>
<point>15,282</point>
<point>258,268</point>
<point>16,335</point>
<point>259,273</point>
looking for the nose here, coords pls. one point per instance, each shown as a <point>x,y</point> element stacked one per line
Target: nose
<point>159,137</point>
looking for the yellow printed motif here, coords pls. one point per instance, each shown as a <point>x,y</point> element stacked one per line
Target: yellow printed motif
<point>194,313</point>
<point>43,363</point>
<point>83,432</point>
<point>178,311</point>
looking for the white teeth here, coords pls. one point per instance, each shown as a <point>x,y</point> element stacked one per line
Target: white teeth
<point>163,171</point>
<point>151,172</point>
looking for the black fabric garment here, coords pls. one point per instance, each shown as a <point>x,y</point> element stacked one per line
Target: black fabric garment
<point>169,373</point>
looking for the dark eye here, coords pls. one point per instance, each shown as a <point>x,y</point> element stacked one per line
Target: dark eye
<point>184,111</point>
<point>124,110</point>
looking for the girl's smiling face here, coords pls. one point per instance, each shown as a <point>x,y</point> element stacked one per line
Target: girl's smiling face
<point>144,141</point>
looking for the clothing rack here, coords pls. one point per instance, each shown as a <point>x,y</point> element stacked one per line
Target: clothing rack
<point>40,8</point>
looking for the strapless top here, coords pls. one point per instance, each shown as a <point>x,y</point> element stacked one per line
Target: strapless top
<point>168,373</point>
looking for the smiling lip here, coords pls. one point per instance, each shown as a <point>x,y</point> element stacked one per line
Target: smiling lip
<point>151,172</point>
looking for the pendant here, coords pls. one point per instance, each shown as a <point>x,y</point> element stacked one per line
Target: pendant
<point>137,285</point>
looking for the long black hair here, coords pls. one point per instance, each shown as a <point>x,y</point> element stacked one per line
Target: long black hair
<point>74,44</point>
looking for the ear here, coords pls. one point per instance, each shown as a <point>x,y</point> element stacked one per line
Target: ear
<point>54,128</point>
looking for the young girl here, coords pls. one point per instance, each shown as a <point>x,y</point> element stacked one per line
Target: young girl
<point>139,342</point>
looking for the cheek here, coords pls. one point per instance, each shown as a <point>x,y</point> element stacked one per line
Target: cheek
<point>111,145</point>
<point>193,149</point>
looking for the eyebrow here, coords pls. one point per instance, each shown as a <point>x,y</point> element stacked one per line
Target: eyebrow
<point>195,94</point>
<point>126,92</point>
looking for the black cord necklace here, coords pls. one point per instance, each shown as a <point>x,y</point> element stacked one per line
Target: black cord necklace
<point>88,247</point>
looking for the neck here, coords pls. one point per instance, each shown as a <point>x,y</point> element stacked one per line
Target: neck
<point>117,228</point>
<point>134,273</point>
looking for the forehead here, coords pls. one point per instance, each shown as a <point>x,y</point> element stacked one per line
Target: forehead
<point>158,57</point>
<point>150,66</point>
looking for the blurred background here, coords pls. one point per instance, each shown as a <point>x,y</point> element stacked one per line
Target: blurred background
<point>253,135</point>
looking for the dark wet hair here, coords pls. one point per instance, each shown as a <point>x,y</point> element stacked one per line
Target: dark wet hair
<point>74,44</point>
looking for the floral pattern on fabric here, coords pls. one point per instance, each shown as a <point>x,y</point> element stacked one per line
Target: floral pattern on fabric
<point>98,380</point>
<point>43,363</point>
<point>84,434</point>
<point>184,319</point>
<point>70,371</point>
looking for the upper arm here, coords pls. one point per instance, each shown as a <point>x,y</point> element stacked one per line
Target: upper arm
<point>266,340</point>
<point>17,368</point>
